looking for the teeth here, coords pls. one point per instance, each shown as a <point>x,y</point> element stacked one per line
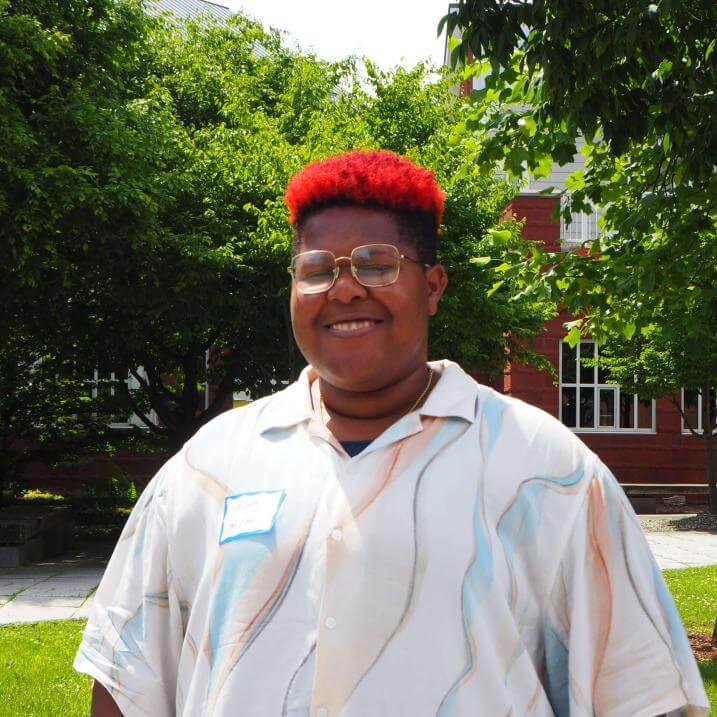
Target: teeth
<point>352,325</point>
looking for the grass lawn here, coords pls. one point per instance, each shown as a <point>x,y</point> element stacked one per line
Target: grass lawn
<point>37,680</point>
<point>36,675</point>
<point>695,593</point>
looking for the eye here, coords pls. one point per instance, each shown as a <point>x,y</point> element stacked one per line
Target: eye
<point>316,273</point>
<point>376,269</point>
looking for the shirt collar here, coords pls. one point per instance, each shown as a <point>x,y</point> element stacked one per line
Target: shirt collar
<point>290,406</point>
<point>454,395</point>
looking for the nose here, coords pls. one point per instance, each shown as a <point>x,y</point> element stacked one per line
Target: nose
<point>346,289</point>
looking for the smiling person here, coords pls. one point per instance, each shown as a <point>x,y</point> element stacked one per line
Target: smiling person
<point>385,536</point>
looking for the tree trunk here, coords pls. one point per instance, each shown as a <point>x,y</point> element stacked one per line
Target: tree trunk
<point>708,438</point>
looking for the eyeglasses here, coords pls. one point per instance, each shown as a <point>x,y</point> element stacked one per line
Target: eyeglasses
<point>372,265</point>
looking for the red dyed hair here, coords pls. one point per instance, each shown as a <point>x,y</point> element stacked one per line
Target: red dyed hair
<point>377,178</point>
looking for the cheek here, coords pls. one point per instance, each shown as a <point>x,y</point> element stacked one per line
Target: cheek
<point>304,310</point>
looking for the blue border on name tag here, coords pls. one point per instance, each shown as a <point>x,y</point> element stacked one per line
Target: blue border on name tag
<point>252,532</point>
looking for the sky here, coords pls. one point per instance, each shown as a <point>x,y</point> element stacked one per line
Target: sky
<point>390,32</point>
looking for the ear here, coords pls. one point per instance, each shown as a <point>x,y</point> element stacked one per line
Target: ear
<point>437,281</point>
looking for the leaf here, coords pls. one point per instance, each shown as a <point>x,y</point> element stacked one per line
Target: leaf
<point>543,168</point>
<point>663,69</point>
<point>495,288</point>
<point>628,330</point>
<point>500,234</point>
<point>710,49</point>
<point>573,337</point>
<point>480,260</point>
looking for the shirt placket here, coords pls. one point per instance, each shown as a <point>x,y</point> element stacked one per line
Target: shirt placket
<point>338,498</point>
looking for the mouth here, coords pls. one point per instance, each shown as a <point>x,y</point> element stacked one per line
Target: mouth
<point>352,327</point>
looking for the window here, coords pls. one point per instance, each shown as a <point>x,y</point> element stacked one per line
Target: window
<point>588,402</point>
<point>582,229</point>
<point>103,385</point>
<point>692,410</point>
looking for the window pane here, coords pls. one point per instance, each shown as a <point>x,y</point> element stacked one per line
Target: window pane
<point>568,368</point>
<point>587,407</point>
<point>568,407</point>
<point>691,419</point>
<point>627,410</point>
<point>587,373</point>
<point>607,407</point>
<point>602,375</point>
<point>644,413</point>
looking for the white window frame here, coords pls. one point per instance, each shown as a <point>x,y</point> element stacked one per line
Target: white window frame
<point>698,429</point>
<point>615,428</point>
<point>134,420</point>
<point>582,230</point>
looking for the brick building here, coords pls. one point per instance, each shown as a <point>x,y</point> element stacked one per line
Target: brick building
<point>641,441</point>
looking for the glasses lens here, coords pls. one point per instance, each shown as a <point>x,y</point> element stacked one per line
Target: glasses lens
<point>376,264</point>
<point>313,271</point>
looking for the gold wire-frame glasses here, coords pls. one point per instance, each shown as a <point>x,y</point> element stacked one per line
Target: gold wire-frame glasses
<point>372,265</point>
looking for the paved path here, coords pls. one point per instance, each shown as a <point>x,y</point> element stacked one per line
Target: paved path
<point>55,589</point>
<point>63,588</point>
<point>681,549</point>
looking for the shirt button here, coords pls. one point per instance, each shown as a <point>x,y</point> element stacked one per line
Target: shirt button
<point>330,622</point>
<point>337,534</point>
<point>322,712</point>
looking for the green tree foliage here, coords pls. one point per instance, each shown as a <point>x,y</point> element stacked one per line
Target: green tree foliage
<point>162,253</point>
<point>636,81</point>
<point>678,351</point>
<point>67,72</point>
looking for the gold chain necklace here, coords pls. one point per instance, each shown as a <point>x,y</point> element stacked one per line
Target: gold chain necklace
<point>415,405</point>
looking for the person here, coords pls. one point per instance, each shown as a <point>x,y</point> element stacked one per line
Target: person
<point>385,536</point>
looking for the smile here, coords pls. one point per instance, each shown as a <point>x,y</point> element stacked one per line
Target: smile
<point>354,327</point>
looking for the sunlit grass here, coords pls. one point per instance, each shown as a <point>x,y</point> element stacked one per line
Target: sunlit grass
<point>695,593</point>
<point>36,675</point>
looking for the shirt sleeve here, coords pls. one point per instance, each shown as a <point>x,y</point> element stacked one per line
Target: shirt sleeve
<point>614,642</point>
<point>133,638</point>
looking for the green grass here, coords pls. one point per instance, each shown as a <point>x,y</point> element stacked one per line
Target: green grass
<point>709,677</point>
<point>37,679</point>
<point>695,594</point>
<point>36,675</point>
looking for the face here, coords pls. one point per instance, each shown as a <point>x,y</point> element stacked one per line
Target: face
<point>358,338</point>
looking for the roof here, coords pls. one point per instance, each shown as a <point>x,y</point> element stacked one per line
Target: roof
<point>183,9</point>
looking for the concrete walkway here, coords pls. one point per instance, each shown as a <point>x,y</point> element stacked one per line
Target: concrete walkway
<point>681,548</point>
<point>55,589</point>
<point>63,588</point>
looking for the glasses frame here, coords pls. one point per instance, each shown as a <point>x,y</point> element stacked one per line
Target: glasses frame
<point>354,273</point>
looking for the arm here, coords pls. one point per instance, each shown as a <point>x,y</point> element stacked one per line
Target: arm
<point>619,644</point>
<point>102,703</point>
<point>136,658</point>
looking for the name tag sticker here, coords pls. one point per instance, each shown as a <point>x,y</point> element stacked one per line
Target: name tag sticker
<point>250,514</point>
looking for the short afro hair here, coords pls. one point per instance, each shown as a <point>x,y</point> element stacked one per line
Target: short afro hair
<point>378,179</point>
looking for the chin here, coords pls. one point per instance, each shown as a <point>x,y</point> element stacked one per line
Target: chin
<point>361,378</point>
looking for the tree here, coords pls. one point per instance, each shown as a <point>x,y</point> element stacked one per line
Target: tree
<point>635,81</point>
<point>67,71</point>
<point>168,250</point>
<point>678,353</point>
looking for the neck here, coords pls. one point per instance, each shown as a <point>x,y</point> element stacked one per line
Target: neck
<point>363,416</point>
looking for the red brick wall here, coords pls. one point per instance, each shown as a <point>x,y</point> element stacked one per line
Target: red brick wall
<point>668,455</point>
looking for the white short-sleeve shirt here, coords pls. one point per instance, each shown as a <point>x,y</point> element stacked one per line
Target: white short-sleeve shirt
<point>476,559</point>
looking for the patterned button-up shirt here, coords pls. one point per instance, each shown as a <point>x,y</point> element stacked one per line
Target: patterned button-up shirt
<point>475,559</point>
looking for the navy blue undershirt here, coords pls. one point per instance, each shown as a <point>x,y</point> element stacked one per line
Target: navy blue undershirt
<point>353,448</point>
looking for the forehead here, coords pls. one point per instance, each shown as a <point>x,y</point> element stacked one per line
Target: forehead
<point>340,229</point>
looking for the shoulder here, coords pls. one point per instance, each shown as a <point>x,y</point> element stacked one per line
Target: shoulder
<point>525,446</point>
<point>215,446</point>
